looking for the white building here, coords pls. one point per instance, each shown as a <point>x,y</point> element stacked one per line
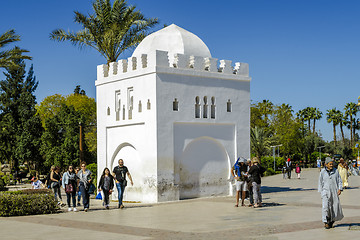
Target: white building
<point>175,115</point>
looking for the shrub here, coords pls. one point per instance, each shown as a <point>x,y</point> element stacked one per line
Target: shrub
<point>269,172</point>
<point>27,202</point>
<point>2,185</point>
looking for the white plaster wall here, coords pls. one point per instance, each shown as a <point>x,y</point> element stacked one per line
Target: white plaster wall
<point>134,139</point>
<point>179,84</point>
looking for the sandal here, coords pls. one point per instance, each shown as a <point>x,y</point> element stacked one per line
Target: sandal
<point>236,205</point>
<point>250,205</point>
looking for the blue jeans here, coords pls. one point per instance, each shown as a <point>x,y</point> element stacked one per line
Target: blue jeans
<point>120,187</point>
<point>85,195</point>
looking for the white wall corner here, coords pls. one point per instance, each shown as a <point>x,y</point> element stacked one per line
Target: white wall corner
<point>102,71</point>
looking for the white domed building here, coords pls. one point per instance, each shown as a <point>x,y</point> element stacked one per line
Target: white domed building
<point>175,115</point>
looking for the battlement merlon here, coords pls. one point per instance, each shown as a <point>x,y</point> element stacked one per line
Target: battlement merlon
<point>178,61</point>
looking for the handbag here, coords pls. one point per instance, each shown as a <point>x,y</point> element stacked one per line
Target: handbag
<point>91,189</point>
<point>69,188</point>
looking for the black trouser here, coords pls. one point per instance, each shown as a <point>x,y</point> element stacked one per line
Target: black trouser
<point>106,196</point>
<point>85,195</point>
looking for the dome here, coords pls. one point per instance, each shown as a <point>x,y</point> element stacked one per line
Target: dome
<point>173,39</point>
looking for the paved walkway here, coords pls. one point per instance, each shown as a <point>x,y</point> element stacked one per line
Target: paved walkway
<point>292,210</point>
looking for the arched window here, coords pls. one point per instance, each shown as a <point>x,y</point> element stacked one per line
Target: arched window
<point>108,111</point>
<point>213,107</point>
<point>205,108</point>
<point>140,106</point>
<point>197,107</point>
<point>148,104</point>
<point>175,105</point>
<point>123,110</point>
<point>228,106</point>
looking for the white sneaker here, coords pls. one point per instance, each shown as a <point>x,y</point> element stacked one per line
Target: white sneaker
<point>75,210</point>
<point>69,209</point>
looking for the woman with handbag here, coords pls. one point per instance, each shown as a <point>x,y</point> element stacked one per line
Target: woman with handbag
<point>55,178</point>
<point>106,185</point>
<point>69,183</point>
<point>84,176</point>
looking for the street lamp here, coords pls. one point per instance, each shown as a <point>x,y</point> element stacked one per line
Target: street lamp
<point>274,152</point>
<point>320,151</point>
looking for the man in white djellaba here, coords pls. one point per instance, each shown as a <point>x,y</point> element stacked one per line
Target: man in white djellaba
<point>330,187</point>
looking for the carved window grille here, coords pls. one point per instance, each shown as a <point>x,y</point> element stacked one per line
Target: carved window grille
<point>213,107</point>
<point>228,106</point>
<point>197,107</point>
<point>175,105</point>
<point>140,106</point>
<point>205,108</point>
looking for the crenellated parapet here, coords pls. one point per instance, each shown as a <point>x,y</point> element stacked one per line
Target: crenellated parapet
<point>178,61</point>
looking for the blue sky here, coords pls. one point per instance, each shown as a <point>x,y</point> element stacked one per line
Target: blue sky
<point>303,53</point>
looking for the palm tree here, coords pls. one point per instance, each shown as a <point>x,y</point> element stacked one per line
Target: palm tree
<point>260,141</point>
<point>350,111</point>
<point>111,30</point>
<point>7,57</point>
<point>332,115</point>
<point>266,108</point>
<point>316,115</point>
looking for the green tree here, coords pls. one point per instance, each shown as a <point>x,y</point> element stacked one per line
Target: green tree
<point>111,30</point>
<point>61,117</point>
<point>8,57</point>
<point>21,127</point>
<point>260,141</point>
<point>332,116</point>
<point>350,112</point>
<point>316,115</point>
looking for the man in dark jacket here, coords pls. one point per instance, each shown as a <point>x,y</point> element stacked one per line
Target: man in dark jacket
<point>256,172</point>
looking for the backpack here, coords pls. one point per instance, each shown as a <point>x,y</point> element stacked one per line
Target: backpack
<point>297,170</point>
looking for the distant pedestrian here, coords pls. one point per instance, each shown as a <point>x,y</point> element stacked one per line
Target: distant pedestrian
<point>48,180</point>
<point>119,173</point>
<point>36,183</point>
<point>84,176</point>
<point>330,187</point>
<point>78,192</point>
<point>55,178</point>
<point>343,171</point>
<point>239,172</point>
<point>106,185</point>
<point>318,163</point>
<point>256,172</point>
<point>284,172</point>
<point>288,168</point>
<point>249,184</point>
<point>298,170</point>
<point>69,183</point>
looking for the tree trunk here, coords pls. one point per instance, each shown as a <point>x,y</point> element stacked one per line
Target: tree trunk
<point>309,126</point>
<point>314,126</point>
<point>334,130</point>
<point>351,132</point>
<point>342,133</point>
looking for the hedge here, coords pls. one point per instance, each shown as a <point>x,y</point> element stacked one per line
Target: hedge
<point>27,202</point>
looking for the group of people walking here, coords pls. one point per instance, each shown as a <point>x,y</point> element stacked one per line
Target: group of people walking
<point>77,183</point>
<point>247,176</point>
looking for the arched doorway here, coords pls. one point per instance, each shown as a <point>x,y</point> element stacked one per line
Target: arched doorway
<point>132,161</point>
<point>204,169</point>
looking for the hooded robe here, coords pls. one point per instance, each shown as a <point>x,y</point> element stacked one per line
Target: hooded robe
<point>329,184</point>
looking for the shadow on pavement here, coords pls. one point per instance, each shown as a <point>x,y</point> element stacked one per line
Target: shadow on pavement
<point>266,189</point>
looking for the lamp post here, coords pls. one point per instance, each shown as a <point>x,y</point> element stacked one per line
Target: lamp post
<point>274,152</point>
<point>320,151</point>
